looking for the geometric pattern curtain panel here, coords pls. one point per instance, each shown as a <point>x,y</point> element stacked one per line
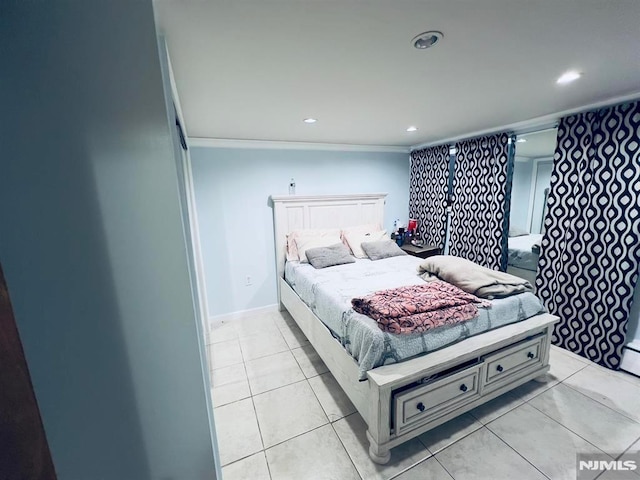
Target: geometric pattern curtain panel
<point>590,251</point>
<point>479,199</point>
<point>429,182</point>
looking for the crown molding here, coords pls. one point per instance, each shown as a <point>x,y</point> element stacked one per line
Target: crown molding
<point>274,145</point>
<point>328,198</point>
<point>537,124</point>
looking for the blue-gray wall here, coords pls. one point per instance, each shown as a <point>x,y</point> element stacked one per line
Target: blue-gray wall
<point>232,188</point>
<point>92,243</point>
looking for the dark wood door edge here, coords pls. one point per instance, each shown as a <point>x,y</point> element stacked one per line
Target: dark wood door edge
<point>24,451</point>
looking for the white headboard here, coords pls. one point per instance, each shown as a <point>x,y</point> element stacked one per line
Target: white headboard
<point>295,212</point>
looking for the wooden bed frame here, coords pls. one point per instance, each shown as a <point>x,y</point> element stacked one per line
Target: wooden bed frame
<point>403,400</point>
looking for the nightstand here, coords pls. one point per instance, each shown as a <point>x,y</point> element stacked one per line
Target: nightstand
<point>421,252</point>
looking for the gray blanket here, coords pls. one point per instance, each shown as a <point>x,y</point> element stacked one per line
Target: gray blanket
<point>471,277</point>
<point>328,293</point>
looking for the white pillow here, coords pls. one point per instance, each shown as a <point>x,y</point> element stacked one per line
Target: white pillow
<point>304,243</point>
<point>354,240</point>
<point>372,227</point>
<point>292,250</point>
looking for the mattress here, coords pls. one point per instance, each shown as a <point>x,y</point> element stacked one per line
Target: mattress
<point>328,293</point>
<point>521,251</point>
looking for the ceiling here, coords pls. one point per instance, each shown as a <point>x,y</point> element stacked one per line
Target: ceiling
<point>537,145</point>
<point>254,69</point>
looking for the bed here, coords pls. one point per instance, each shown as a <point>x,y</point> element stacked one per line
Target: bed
<point>418,392</point>
<point>523,255</point>
<point>328,293</point>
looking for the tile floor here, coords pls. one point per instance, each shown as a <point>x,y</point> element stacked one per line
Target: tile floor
<point>281,415</point>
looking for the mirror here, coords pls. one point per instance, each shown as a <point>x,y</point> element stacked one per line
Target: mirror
<point>530,189</point>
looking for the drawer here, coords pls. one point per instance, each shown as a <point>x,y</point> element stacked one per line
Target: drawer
<point>513,360</point>
<point>426,402</point>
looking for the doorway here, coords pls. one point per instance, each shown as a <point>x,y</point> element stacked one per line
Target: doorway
<point>24,451</point>
<point>531,180</point>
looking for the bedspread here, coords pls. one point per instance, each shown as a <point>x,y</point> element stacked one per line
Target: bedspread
<point>329,291</point>
<point>524,251</point>
<point>418,308</point>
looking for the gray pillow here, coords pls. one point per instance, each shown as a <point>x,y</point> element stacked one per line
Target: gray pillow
<point>323,257</point>
<point>382,249</point>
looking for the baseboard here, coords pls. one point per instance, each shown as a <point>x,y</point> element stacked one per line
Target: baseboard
<point>206,333</point>
<point>631,358</point>
<point>633,345</point>
<point>217,320</point>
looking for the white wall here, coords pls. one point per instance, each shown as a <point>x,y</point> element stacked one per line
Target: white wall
<point>543,171</point>
<point>521,188</point>
<point>232,187</point>
<point>92,243</point>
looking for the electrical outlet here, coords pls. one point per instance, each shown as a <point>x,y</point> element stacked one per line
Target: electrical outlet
<point>249,282</point>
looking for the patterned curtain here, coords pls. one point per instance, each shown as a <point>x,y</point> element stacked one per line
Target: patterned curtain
<point>428,193</point>
<point>478,217</point>
<point>590,251</point>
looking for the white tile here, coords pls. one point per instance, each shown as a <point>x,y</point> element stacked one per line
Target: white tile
<point>482,456</point>
<point>286,412</point>
<point>282,319</point>
<point>563,365</point>
<point>226,375</point>
<point>230,384</point>
<point>493,409</point>
<point>274,371</point>
<point>449,432</point>
<point>257,346</point>
<point>633,453</point>
<point>526,430</point>
<point>254,324</point>
<point>229,393</point>
<point>250,468</point>
<point>575,356</point>
<point>533,388</point>
<point>622,375</point>
<point>608,389</point>
<point>429,469</point>
<point>618,475</point>
<point>633,449</point>
<point>237,431</point>
<point>334,401</point>
<point>293,335</point>
<point>309,360</point>
<point>608,430</point>
<point>222,333</point>
<point>316,455</point>
<point>224,354</point>
<point>352,432</point>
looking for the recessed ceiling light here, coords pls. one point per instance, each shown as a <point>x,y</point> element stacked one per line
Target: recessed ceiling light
<point>412,129</point>
<point>568,77</point>
<point>310,120</point>
<point>521,140</point>
<point>427,40</point>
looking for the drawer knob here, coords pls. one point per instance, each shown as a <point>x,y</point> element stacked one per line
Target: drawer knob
<point>463,387</point>
<point>530,355</point>
<point>420,406</point>
<point>499,368</point>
